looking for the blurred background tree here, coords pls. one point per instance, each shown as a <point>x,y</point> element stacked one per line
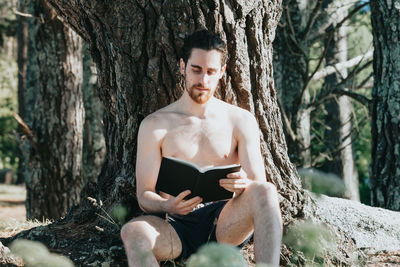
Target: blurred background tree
<point>26,80</point>
<point>321,54</point>
<point>8,85</point>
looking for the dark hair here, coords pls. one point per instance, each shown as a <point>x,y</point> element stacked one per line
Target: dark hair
<point>205,40</point>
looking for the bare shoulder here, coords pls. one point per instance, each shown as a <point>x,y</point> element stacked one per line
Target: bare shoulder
<point>156,124</point>
<point>244,123</point>
<point>239,115</point>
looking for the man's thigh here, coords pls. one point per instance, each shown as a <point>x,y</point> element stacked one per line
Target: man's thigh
<point>235,222</point>
<point>163,237</point>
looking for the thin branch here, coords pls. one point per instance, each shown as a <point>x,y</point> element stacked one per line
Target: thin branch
<point>331,153</point>
<point>347,64</point>
<point>327,93</point>
<point>363,84</point>
<point>24,14</point>
<point>319,63</point>
<point>311,20</point>
<point>358,97</point>
<point>292,33</point>
<point>25,128</point>
<point>323,28</point>
<point>354,72</point>
<point>27,15</point>
<point>286,120</point>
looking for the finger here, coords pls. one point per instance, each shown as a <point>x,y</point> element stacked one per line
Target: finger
<point>232,181</point>
<point>187,209</point>
<point>235,190</point>
<point>234,175</point>
<point>182,195</point>
<point>190,202</point>
<point>234,187</point>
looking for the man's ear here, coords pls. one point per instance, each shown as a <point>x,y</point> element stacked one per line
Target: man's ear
<point>182,66</point>
<point>223,69</point>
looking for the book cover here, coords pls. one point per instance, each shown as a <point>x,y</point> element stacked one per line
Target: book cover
<point>177,175</point>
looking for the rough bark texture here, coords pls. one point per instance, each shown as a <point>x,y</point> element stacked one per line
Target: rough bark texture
<point>54,181</point>
<point>22,36</point>
<point>94,148</point>
<point>291,60</point>
<point>385,173</point>
<point>340,111</point>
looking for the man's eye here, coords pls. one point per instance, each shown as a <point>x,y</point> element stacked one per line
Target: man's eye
<point>196,71</point>
<point>211,73</point>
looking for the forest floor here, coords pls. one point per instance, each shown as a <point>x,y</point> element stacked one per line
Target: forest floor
<point>13,221</point>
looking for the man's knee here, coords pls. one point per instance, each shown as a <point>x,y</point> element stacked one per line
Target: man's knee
<point>137,230</point>
<point>264,194</point>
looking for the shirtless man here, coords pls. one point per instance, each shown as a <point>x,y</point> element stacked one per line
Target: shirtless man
<point>209,132</point>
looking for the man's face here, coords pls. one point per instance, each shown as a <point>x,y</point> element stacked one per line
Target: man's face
<point>202,73</point>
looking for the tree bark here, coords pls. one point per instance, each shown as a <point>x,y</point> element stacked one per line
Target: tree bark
<point>385,171</point>
<point>291,60</point>
<point>55,178</point>
<point>93,138</point>
<point>22,53</point>
<point>135,45</point>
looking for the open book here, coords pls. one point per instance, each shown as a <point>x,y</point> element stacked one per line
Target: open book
<point>177,175</point>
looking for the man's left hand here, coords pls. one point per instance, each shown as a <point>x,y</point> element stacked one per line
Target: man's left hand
<point>235,182</point>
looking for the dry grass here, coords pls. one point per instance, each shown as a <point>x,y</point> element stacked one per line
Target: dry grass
<point>12,211</point>
<point>384,258</point>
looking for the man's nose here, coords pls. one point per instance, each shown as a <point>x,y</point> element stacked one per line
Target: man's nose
<point>204,78</point>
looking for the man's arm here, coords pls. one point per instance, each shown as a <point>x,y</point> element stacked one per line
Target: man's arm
<point>148,163</point>
<point>246,132</point>
<point>248,137</point>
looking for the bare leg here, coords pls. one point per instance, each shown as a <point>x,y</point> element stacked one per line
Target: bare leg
<point>256,208</point>
<point>148,239</point>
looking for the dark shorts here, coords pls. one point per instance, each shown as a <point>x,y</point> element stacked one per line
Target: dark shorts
<point>196,228</point>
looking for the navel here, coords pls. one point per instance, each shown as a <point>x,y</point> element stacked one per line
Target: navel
<point>226,156</point>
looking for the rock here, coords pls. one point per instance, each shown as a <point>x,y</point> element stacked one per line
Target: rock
<point>371,228</point>
<point>7,259</point>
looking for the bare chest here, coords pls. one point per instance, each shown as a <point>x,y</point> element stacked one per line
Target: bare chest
<point>202,142</point>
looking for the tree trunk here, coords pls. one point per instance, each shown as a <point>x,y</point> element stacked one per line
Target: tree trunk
<point>93,137</point>
<point>134,46</point>
<point>55,178</point>
<point>22,36</point>
<point>385,171</point>
<point>291,59</point>
<point>340,111</point>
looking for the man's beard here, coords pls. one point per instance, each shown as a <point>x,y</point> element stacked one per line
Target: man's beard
<point>200,97</point>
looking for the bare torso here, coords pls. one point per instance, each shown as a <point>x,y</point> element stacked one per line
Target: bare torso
<point>223,134</point>
<point>207,141</point>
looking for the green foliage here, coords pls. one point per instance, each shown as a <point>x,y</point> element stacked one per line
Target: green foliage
<point>8,93</point>
<point>217,255</point>
<point>35,254</point>
<point>310,239</point>
<point>119,213</point>
<point>8,143</point>
<point>322,183</point>
<point>8,22</point>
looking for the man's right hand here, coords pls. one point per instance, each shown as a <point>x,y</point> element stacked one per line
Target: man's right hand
<point>177,205</point>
